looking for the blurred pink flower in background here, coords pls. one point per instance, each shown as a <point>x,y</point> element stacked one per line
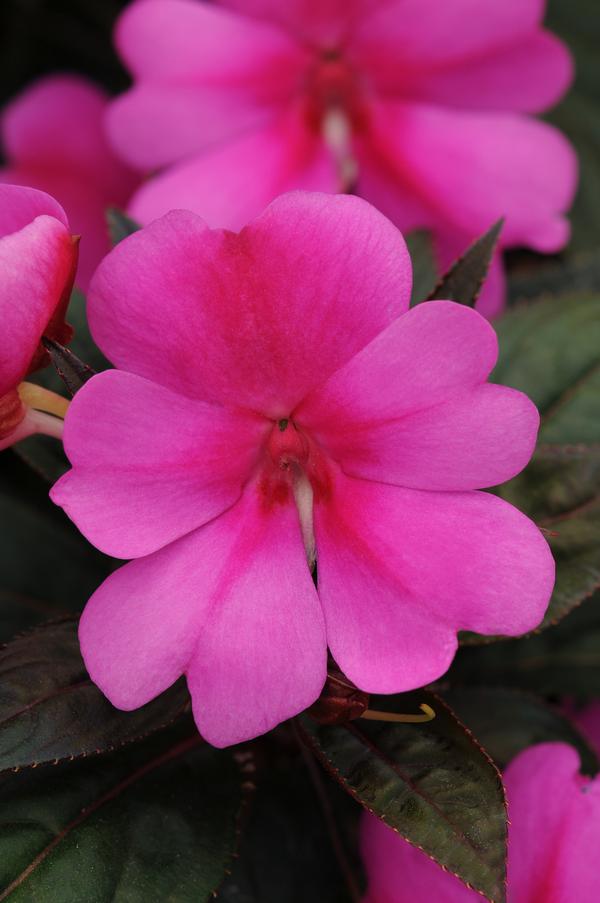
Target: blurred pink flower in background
<point>53,139</point>
<point>276,400</point>
<point>553,840</point>
<point>38,258</point>
<point>420,106</point>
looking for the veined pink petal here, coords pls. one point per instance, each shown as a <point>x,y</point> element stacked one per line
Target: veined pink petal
<point>54,140</point>
<point>231,184</point>
<point>36,264</point>
<point>400,571</point>
<point>205,75</point>
<point>261,654</point>
<point>253,320</point>
<point>409,410</point>
<point>554,832</point>
<point>150,465</point>
<point>232,603</point>
<point>472,168</point>
<point>430,31</point>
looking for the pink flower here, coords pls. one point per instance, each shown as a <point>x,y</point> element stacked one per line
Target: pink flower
<point>38,257</point>
<point>274,393</point>
<point>420,106</point>
<point>554,838</point>
<point>53,138</point>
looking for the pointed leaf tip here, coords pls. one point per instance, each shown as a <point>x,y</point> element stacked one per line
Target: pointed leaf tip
<point>464,280</point>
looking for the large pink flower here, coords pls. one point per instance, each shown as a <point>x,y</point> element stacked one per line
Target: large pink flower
<point>38,257</point>
<point>273,393</point>
<point>554,838</point>
<point>53,137</point>
<point>419,105</point>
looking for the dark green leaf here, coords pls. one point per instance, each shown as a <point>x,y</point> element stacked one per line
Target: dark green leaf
<point>550,349</point>
<point>45,455</point>
<point>120,225</point>
<point>423,265</point>
<point>157,821</point>
<point>464,279</point>
<point>431,782</point>
<point>42,555</point>
<point>507,721</point>
<point>50,709</point>
<point>73,371</point>
<point>532,276</point>
<point>287,854</point>
<point>562,660</point>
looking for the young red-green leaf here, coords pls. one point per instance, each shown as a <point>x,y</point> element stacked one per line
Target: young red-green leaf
<point>156,821</point>
<point>73,371</point>
<point>464,280</point>
<point>430,782</point>
<point>50,710</point>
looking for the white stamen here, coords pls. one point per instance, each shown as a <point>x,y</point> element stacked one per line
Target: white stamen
<point>303,496</point>
<point>337,134</point>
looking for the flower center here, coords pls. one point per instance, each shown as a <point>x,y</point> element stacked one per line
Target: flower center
<point>294,469</point>
<point>335,110</point>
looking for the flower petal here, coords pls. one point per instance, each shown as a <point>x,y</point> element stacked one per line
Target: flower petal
<point>412,409</point>
<point>205,75</point>
<point>554,831</point>
<point>150,465</point>
<point>400,571</point>
<point>253,320</point>
<point>234,604</point>
<point>400,873</point>
<point>36,264</point>
<point>527,76</point>
<point>428,32</point>
<point>468,169</point>
<point>261,655</point>
<point>83,171</point>
<point>19,206</point>
<point>231,184</point>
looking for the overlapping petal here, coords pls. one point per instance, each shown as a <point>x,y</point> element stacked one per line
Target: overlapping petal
<point>230,184</point>
<point>205,75</point>
<point>233,604</point>
<point>409,410</point>
<point>36,267</point>
<point>469,168</point>
<point>148,465</point>
<point>400,571</point>
<point>54,140</point>
<point>220,322</point>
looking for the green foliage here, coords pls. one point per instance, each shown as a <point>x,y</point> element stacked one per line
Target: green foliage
<point>157,821</point>
<point>432,783</point>
<point>50,710</point>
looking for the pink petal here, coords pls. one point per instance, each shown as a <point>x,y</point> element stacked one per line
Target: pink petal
<point>468,169</point>
<point>20,206</point>
<point>400,571</point>
<point>82,171</point>
<point>150,465</point>
<point>243,575</point>
<point>400,873</point>
<point>261,654</point>
<point>257,319</point>
<point>36,264</point>
<point>554,832</point>
<point>205,75</point>
<point>324,22</point>
<point>411,409</point>
<point>528,76</point>
<point>230,185</point>
<point>429,32</point>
